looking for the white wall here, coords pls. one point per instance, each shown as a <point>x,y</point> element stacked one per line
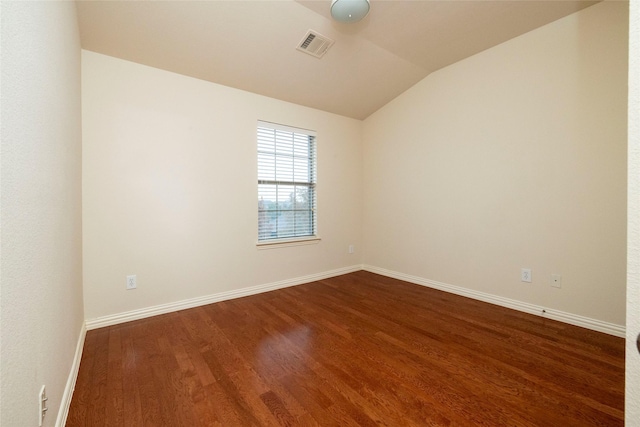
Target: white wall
<point>512,158</point>
<point>40,206</point>
<point>170,188</point>
<point>632,380</point>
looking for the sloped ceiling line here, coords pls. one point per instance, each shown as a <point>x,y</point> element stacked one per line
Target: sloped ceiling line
<point>251,45</point>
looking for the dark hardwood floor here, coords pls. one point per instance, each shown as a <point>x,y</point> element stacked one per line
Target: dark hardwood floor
<point>354,350</point>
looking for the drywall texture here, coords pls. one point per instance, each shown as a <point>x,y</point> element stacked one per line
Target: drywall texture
<point>512,158</point>
<point>40,206</point>
<point>170,188</point>
<point>632,383</point>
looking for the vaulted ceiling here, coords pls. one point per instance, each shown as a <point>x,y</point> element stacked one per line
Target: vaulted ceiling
<point>251,45</point>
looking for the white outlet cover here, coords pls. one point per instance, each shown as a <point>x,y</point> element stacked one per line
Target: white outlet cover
<point>556,280</point>
<point>131,282</point>
<point>42,405</point>
<point>525,275</point>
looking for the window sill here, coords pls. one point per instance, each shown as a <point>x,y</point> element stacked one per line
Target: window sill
<point>285,243</point>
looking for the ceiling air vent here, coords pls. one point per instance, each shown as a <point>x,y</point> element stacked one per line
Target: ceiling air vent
<point>315,44</point>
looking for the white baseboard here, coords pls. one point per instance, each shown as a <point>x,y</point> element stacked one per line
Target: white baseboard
<point>572,319</point>
<point>65,403</point>
<point>142,313</point>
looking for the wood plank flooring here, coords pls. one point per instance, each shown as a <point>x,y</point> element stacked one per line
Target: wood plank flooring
<point>354,350</point>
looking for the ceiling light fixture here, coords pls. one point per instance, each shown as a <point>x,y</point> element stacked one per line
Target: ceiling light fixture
<point>349,10</point>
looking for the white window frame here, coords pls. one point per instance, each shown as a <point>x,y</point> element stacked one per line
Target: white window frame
<point>309,181</point>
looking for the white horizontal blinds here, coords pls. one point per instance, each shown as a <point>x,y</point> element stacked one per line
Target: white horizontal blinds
<point>286,182</point>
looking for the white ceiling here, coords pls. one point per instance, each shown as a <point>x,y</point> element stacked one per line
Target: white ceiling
<point>251,45</point>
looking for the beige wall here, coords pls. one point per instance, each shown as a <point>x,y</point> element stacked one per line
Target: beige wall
<point>170,188</point>
<point>632,380</point>
<point>515,157</point>
<point>40,206</point>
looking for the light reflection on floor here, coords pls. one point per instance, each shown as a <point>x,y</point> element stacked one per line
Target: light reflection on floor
<point>286,351</point>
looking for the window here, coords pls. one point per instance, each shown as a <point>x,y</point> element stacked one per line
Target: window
<point>286,182</point>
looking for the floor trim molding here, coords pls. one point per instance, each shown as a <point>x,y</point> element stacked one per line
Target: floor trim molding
<point>142,313</point>
<point>67,395</point>
<point>572,319</point>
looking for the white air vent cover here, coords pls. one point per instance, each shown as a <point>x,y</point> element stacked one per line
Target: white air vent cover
<point>315,44</point>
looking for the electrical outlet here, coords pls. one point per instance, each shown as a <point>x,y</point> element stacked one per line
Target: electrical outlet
<point>42,405</point>
<point>525,275</point>
<point>351,249</point>
<point>131,282</point>
<point>556,280</point>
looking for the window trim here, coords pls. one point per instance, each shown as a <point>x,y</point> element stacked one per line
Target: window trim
<point>288,242</point>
